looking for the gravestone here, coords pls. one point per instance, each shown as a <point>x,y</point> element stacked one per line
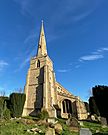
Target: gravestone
<point>85,131</point>
<point>93,118</point>
<point>50,131</point>
<point>51,120</point>
<point>81,123</point>
<point>58,128</point>
<point>103,121</point>
<point>72,122</point>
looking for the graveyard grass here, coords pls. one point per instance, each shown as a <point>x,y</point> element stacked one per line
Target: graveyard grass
<point>96,127</point>
<point>16,127</point>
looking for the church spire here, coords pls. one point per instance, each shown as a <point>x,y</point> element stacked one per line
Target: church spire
<point>42,43</point>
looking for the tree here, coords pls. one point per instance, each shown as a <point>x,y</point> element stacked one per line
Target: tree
<point>100,96</point>
<point>4,111</point>
<point>93,107</point>
<point>87,106</point>
<point>17,101</point>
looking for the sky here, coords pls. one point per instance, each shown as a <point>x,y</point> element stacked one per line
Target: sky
<point>77,41</point>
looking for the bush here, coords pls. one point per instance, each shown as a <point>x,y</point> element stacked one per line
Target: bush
<point>6,114</point>
<point>17,101</point>
<point>3,106</point>
<point>43,114</point>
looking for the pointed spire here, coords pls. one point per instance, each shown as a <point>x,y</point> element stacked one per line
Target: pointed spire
<point>42,42</point>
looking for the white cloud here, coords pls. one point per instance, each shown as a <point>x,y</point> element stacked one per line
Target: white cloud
<point>82,16</point>
<point>91,57</point>
<point>98,54</point>
<point>105,49</point>
<point>29,37</point>
<point>100,50</point>
<point>3,64</point>
<point>77,66</point>
<point>63,70</point>
<point>26,60</point>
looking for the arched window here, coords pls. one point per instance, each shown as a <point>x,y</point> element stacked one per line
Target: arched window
<point>67,106</point>
<point>38,63</point>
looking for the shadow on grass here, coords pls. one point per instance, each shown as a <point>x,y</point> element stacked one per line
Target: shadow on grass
<point>100,134</point>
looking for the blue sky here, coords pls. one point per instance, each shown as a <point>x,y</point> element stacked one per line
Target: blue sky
<point>77,41</point>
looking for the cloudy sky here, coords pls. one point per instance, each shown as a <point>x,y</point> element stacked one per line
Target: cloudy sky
<point>77,42</point>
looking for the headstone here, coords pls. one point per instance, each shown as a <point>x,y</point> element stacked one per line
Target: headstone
<point>50,131</point>
<point>58,128</point>
<point>72,122</point>
<point>93,118</point>
<point>51,120</point>
<point>85,131</point>
<point>81,123</point>
<point>103,121</point>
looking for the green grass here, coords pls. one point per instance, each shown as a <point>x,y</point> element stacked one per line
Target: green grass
<point>15,127</point>
<point>18,127</point>
<point>95,126</point>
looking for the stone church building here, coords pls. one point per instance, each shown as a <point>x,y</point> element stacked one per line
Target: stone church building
<point>44,92</point>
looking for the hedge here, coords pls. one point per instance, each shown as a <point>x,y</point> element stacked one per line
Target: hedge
<point>17,101</point>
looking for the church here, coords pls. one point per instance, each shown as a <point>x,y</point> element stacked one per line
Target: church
<point>44,92</point>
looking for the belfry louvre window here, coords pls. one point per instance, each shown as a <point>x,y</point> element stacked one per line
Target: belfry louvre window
<point>38,64</point>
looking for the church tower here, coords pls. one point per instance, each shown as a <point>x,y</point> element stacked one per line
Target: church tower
<point>44,92</point>
<point>40,85</point>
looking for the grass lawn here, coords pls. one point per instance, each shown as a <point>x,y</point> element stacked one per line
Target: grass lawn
<point>96,127</point>
<point>18,127</point>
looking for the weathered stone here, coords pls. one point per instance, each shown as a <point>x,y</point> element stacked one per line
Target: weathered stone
<point>85,131</point>
<point>103,121</point>
<point>35,130</point>
<point>97,131</point>
<point>93,118</point>
<point>27,121</point>
<point>74,129</point>
<point>72,122</point>
<point>50,131</point>
<point>41,122</point>
<point>81,123</point>
<point>28,130</point>
<point>51,120</point>
<point>58,128</point>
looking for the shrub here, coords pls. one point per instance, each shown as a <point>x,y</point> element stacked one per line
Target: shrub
<point>6,114</point>
<point>17,101</point>
<point>43,114</point>
<point>3,106</point>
